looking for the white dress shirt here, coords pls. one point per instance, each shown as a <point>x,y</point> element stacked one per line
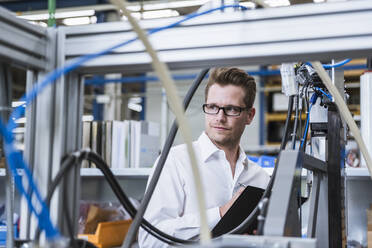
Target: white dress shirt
<point>173,207</point>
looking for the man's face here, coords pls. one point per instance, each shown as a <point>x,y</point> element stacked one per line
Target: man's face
<point>223,130</point>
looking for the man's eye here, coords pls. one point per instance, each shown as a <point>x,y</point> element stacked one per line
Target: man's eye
<point>232,109</point>
<point>212,107</point>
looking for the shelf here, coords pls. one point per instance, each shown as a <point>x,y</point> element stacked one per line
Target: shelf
<point>93,172</point>
<point>354,73</point>
<point>126,172</point>
<point>351,173</point>
<point>280,117</point>
<point>357,173</point>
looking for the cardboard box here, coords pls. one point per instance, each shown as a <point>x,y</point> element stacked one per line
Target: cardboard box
<point>108,234</point>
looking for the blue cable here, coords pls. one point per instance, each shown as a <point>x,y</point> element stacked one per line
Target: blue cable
<point>306,127</point>
<point>313,99</point>
<point>329,66</point>
<point>324,93</point>
<point>15,158</point>
<point>339,64</point>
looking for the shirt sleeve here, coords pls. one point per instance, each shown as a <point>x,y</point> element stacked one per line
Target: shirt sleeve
<point>166,208</point>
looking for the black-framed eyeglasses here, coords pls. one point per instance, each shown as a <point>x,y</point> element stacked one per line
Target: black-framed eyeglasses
<point>213,109</point>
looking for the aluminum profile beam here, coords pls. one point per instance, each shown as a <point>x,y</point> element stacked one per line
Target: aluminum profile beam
<point>365,111</point>
<point>21,42</point>
<point>262,36</point>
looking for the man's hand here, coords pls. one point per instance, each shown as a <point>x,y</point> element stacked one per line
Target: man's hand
<point>226,207</point>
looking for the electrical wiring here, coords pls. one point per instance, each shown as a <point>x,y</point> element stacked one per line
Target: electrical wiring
<point>15,158</point>
<point>324,93</point>
<point>312,102</point>
<point>286,125</point>
<point>306,128</point>
<point>68,218</point>
<point>345,113</point>
<point>308,108</point>
<point>156,174</point>
<point>294,133</point>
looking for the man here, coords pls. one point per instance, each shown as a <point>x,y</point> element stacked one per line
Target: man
<point>224,167</point>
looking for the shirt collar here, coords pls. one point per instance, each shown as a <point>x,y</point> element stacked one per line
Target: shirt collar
<point>243,157</point>
<point>208,149</point>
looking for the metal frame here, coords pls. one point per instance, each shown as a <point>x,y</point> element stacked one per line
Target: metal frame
<point>262,36</point>
<point>21,42</point>
<point>282,217</point>
<point>53,120</point>
<point>5,108</point>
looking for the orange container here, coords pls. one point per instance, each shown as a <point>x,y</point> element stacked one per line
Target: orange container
<point>108,234</point>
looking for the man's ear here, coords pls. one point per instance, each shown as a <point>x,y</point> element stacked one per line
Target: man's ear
<point>250,115</point>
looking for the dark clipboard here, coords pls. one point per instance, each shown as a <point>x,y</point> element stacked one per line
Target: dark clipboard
<point>239,211</point>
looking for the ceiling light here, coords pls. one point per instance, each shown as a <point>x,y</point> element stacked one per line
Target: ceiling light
<point>58,15</point>
<point>173,5</point>
<point>277,3</point>
<point>159,14</point>
<point>76,21</point>
<point>153,14</point>
<point>249,5</point>
<point>135,107</point>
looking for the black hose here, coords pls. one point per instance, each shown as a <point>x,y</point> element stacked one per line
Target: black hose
<point>84,244</point>
<point>163,157</point>
<point>286,125</point>
<point>306,129</point>
<point>70,162</point>
<point>294,133</point>
<point>65,167</point>
<point>67,215</point>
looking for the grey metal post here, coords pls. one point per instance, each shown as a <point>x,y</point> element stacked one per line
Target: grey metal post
<point>314,200</point>
<point>5,108</point>
<point>67,129</point>
<point>282,216</point>
<point>365,111</point>
<point>29,140</point>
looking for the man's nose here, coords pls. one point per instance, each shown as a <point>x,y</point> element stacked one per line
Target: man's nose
<point>221,115</point>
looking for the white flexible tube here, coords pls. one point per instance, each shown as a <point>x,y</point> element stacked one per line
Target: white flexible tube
<point>344,111</point>
<point>175,103</point>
